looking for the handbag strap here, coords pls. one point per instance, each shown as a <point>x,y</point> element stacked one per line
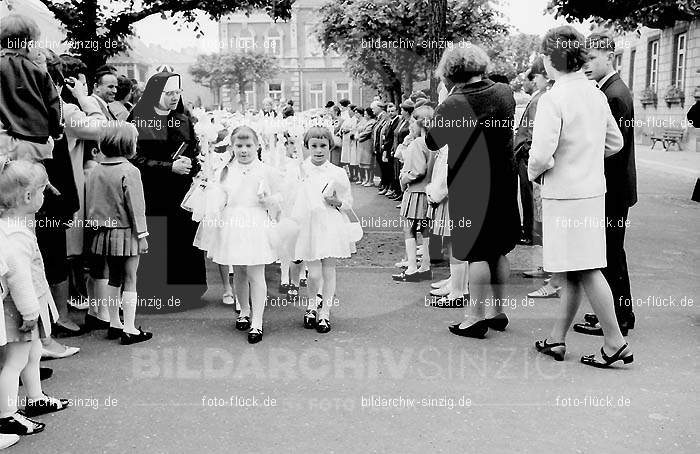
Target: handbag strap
<point>354,214</point>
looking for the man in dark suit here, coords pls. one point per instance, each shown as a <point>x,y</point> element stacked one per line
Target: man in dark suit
<point>379,109</point>
<point>621,179</point>
<point>386,145</point>
<point>400,134</point>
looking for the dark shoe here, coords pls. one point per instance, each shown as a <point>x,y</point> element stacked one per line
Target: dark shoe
<point>383,191</point>
<point>59,331</point>
<point>44,405</point>
<point>590,318</point>
<point>477,330</point>
<point>243,323</point>
<point>390,193</point>
<point>93,323</point>
<point>525,241</point>
<point>498,323</point>
<point>447,303</point>
<point>310,319</point>
<point>114,333</point>
<point>19,425</point>
<point>302,282</point>
<point>595,330</point>
<point>129,339</point>
<point>283,288</point>
<point>413,277</point>
<point>608,361</point>
<point>323,326</point>
<point>397,197</point>
<point>254,336</point>
<point>45,373</point>
<point>556,350</point>
<point>292,292</point>
<point>538,273</point>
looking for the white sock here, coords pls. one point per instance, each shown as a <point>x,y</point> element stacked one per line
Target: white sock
<point>411,255</point>
<point>425,260</point>
<point>457,271</point>
<point>129,300</point>
<point>113,309</point>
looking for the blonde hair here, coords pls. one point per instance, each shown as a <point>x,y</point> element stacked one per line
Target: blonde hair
<point>118,138</point>
<point>16,179</point>
<point>423,115</point>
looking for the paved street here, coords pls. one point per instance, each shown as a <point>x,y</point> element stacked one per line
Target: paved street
<point>198,386</point>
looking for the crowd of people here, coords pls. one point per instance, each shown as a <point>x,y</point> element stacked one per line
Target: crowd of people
<point>106,195</point>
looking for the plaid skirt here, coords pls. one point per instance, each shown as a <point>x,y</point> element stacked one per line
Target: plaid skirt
<point>414,205</point>
<point>440,219</point>
<point>120,242</point>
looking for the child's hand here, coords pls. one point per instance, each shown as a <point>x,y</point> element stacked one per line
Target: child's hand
<point>28,325</point>
<point>333,201</point>
<point>143,245</point>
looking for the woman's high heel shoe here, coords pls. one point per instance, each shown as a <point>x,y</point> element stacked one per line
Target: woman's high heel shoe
<point>556,350</point>
<point>255,335</point>
<point>590,360</point>
<point>477,330</point>
<point>243,323</point>
<point>499,322</point>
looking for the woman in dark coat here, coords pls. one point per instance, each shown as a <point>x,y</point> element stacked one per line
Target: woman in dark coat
<point>475,121</point>
<point>173,269</point>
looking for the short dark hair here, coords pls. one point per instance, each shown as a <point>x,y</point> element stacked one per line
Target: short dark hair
<point>499,78</point>
<point>73,66</point>
<point>318,132</point>
<point>600,41</point>
<point>18,31</point>
<point>54,66</point>
<point>336,109</point>
<point>352,107</point>
<point>537,67</point>
<point>344,102</point>
<point>330,104</point>
<point>290,102</point>
<point>370,113</point>
<point>124,87</point>
<point>100,74</point>
<point>566,47</point>
<point>360,110</point>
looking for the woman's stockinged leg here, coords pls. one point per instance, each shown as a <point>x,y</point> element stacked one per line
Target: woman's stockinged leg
<point>600,296</point>
<point>329,286</point>
<point>571,294</point>
<point>16,358</point>
<point>258,294</point>
<point>500,270</point>
<point>242,289</point>
<point>480,290</point>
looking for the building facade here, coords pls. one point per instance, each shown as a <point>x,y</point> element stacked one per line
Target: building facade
<point>662,69</point>
<point>307,75</point>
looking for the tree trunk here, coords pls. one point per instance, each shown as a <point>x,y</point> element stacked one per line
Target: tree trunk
<point>438,30</point>
<point>241,96</point>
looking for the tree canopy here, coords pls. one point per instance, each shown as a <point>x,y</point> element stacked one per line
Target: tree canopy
<point>107,24</point>
<point>234,68</point>
<point>389,43</point>
<point>627,14</point>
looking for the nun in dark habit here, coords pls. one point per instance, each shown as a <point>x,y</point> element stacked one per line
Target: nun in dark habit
<point>173,272</point>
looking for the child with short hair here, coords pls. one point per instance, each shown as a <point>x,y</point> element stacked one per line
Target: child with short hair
<point>30,108</point>
<point>323,234</point>
<point>116,205</point>
<point>414,206</point>
<point>27,307</point>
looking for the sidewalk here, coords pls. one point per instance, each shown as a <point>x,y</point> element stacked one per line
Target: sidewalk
<point>680,163</point>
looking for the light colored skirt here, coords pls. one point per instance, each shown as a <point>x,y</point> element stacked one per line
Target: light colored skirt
<point>440,219</point>
<point>573,234</point>
<point>414,205</point>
